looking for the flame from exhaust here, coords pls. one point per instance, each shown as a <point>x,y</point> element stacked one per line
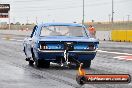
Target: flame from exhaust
<point>81,71</point>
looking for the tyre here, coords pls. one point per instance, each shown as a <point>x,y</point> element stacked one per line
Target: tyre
<point>42,63</point>
<point>46,64</point>
<point>86,64</point>
<point>38,63</point>
<point>31,62</point>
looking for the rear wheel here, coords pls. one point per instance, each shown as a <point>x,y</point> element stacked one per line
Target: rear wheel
<point>46,64</point>
<point>37,63</point>
<point>86,64</point>
<point>42,63</point>
<point>31,62</point>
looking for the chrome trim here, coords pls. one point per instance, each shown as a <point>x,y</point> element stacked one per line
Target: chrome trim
<point>62,51</point>
<point>82,51</point>
<point>51,51</point>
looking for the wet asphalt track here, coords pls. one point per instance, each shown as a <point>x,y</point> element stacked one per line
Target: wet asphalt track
<point>16,73</point>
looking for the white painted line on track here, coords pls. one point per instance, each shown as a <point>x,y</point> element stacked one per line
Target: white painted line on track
<point>12,39</point>
<point>128,58</point>
<point>3,38</point>
<point>113,52</point>
<point>19,40</point>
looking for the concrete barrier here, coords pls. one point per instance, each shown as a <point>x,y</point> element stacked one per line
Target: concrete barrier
<point>121,35</point>
<point>129,35</point>
<point>103,35</point>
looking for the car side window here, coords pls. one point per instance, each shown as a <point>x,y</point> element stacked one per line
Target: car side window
<point>33,32</point>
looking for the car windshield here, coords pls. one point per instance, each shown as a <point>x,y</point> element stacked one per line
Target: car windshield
<point>76,31</point>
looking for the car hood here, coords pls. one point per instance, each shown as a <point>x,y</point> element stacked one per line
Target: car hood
<point>67,38</point>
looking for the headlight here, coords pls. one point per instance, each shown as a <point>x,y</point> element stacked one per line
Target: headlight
<point>43,46</point>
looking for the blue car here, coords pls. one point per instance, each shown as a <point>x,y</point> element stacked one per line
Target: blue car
<point>61,43</point>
